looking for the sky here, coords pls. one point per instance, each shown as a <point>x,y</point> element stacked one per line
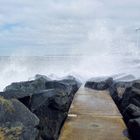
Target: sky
<point>61,27</point>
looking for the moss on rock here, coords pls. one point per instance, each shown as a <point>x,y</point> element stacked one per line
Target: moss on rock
<point>7,104</point>
<point>12,133</point>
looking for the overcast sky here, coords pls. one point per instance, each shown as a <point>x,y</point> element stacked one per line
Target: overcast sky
<point>48,27</point>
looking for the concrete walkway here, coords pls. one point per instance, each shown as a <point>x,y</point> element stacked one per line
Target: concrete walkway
<point>93,115</point>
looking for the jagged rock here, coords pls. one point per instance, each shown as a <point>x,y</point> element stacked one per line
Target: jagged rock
<point>131,112</point>
<point>127,97</point>
<point>24,90</point>
<point>59,86</point>
<point>136,84</point>
<point>43,77</point>
<point>135,102</point>
<point>134,128</point>
<point>117,90</point>
<point>50,106</point>
<point>49,100</point>
<point>70,86</point>
<point>52,98</point>
<point>16,121</point>
<point>100,83</point>
<point>53,104</point>
<point>130,94</point>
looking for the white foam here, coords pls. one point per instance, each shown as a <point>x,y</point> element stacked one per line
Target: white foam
<point>105,51</point>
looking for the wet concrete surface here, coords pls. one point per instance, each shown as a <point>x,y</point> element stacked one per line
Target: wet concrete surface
<point>93,115</point>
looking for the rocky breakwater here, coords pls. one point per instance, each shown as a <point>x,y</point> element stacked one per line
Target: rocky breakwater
<point>36,110</point>
<point>125,92</point>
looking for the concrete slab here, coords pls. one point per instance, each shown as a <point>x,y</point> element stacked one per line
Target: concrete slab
<point>93,128</point>
<point>94,102</point>
<point>93,115</point>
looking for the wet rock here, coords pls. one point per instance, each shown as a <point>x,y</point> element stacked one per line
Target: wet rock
<point>127,97</point>
<point>100,83</point>
<point>117,89</point>
<point>69,85</point>
<point>24,90</point>
<point>136,84</point>
<point>130,94</point>
<point>16,121</point>
<point>43,77</point>
<point>51,107</point>
<point>134,128</point>
<point>49,100</point>
<point>135,102</point>
<point>131,112</point>
<point>59,86</point>
<point>52,98</point>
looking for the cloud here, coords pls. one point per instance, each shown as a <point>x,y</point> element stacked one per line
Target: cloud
<point>62,24</point>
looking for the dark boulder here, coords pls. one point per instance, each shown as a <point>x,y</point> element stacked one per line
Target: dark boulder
<point>68,85</point>
<point>43,77</point>
<point>52,104</point>
<point>59,86</point>
<point>117,89</point>
<point>136,102</point>
<point>51,107</point>
<point>100,83</point>
<point>131,112</point>
<point>52,98</point>
<point>24,90</point>
<point>134,128</point>
<point>16,121</point>
<point>49,100</point>
<point>127,97</point>
<point>136,84</point>
<point>131,95</point>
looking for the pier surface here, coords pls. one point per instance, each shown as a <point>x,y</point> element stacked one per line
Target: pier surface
<point>93,115</point>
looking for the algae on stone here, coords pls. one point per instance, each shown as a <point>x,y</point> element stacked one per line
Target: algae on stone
<point>7,104</point>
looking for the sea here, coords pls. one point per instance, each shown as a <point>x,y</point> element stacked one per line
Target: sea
<point>83,67</point>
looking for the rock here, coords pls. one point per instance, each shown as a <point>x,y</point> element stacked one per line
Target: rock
<point>51,107</point>
<point>136,84</point>
<point>16,121</point>
<point>24,90</point>
<point>52,98</point>
<point>100,83</point>
<point>129,95</point>
<point>69,85</point>
<point>117,90</point>
<point>131,112</point>
<point>134,128</point>
<point>72,80</point>
<point>61,101</point>
<point>59,86</point>
<point>43,97</point>
<point>51,122</point>
<point>135,102</point>
<point>49,100</point>
<point>43,77</point>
